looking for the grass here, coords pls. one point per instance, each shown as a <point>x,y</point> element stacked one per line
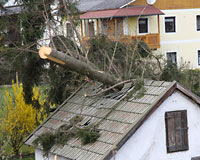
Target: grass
<point>2,94</point>
<point>29,157</point>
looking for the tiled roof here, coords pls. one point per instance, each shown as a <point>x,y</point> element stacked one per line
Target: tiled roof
<point>115,114</point>
<point>91,5</point>
<point>123,12</point>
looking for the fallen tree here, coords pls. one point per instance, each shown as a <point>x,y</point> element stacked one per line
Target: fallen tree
<point>83,68</point>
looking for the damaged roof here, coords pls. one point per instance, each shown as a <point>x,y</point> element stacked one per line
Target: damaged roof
<point>117,115</point>
<point>91,5</point>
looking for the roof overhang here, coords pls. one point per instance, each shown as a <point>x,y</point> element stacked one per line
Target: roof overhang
<point>123,12</point>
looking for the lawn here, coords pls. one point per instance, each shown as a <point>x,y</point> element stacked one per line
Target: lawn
<point>30,157</point>
<point>2,94</point>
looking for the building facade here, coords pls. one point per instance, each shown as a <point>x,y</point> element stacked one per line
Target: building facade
<point>170,28</point>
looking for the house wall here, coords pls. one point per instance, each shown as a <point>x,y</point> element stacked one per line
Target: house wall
<point>133,25</point>
<point>39,156</point>
<point>149,141</point>
<point>171,4</point>
<point>186,40</point>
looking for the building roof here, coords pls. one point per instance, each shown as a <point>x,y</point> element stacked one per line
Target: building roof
<point>123,12</point>
<point>118,116</point>
<point>91,5</point>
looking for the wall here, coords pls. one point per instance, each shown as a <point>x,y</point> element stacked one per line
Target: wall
<point>186,40</point>
<point>171,4</point>
<point>133,25</point>
<point>149,141</point>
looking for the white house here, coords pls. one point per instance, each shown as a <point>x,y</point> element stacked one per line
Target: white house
<point>162,124</point>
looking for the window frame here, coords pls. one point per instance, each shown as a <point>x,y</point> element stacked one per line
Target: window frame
<point>198,57</point>
<point>176,56</point>
<point>197,29</point>
<point>147,20</point>
<point>175,24</point>
<point>183,131</point>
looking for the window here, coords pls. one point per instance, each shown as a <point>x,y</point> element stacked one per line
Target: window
<point>170,24</point>
<point>199,57</point>
<point>171,57</point>
<point>176,131</point>
<point>195,158</point>
<point>143,25</point>
<point>198,22</point>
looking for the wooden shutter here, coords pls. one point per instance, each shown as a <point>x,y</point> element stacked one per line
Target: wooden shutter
<point>176,131</point>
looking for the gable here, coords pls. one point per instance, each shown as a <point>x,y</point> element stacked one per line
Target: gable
<point>149,141</point>
<point>171,4</point>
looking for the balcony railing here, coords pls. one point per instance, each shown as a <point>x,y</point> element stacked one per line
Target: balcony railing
<point>152,40</point>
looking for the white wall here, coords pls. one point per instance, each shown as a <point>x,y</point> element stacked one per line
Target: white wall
<point>149,141</point>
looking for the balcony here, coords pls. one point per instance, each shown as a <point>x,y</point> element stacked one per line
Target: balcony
<point>152,40</point>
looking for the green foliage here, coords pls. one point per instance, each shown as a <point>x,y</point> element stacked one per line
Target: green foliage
<point>186,77</point>
<point>65,133</point>
<point>142,48</point>
<point>28,65</point>
<point>171,72</point>
<point>62,81</point>
<point>87,135</point>
<point>138,90</point>
<point>125,58</point>
<point>46,140</point>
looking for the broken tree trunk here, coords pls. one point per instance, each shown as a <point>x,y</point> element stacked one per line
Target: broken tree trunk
<point>87,69</point>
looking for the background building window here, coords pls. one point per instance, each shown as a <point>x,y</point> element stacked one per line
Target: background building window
<point>170,24</point>
<point>176,131</point>
<point>143,25</point>
<point>172,57</point>
<point>198,22</point>
<point>199,57</point>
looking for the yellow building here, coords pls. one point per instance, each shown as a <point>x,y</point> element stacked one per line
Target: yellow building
<point>169,27</point>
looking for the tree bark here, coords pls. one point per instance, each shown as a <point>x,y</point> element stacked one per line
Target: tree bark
<point>87,69</point>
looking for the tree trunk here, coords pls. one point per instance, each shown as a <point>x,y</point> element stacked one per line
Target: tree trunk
<point>87,69</point>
